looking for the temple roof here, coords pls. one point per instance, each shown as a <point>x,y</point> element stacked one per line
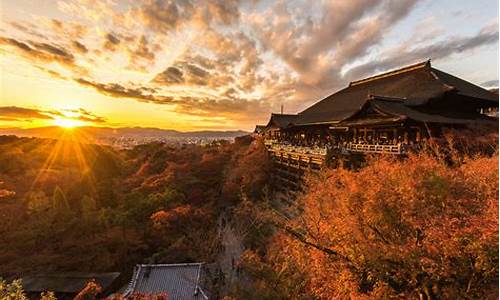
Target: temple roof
<point>416,85</point>
<point>259,128</point>
<point>389,110</point>
<point>281,121</point>
<point>178,281</point>
<point>66,282</point>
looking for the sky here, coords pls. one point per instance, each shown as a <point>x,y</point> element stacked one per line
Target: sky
<point>222,64</point>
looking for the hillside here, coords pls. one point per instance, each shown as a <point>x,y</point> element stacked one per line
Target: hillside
<point>425,226</point>
<point>68,206</point>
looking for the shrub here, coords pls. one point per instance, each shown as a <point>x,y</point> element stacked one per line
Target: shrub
<point>419,227</point>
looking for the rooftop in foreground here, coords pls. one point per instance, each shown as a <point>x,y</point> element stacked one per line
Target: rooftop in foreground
<point>70,283</point>
<point>178,281</point>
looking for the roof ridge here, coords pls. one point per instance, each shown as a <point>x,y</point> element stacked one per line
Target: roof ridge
<point>173,265</point>
<point>420,65</point>
<point>73,274</point>
<point>278,114</point>
<point>386,98</point>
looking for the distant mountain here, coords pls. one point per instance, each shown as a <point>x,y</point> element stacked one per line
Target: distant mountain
<point>490,84</point>
<point>99,133</point>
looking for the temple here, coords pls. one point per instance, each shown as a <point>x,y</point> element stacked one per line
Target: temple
<point>390,113</point>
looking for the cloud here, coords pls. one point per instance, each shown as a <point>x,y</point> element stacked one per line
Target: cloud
<point>68,29</point>
<point>229,59</point>
<point>490,83</point>
<point>16,113</point>
<point>401,56</point>
<point>111,42</point>
<point>28,28</point>
<point>116,90</point>
<point>318,49</point>
<point>144,50</point>
<point>223,11</point>
<point>171,75</point>
<point>85,115</point>
<point>163,16</point>
<point>41,53</point>
<point>80,47</point>
<point>54,50</point>
<point>232,109</point>
<point>183,73</point>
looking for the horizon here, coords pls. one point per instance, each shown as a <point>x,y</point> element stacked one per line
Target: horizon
<point>120,127</point>
<point>221,66</point>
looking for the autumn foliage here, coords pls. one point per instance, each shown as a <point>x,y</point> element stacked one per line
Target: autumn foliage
<point>89,292</point>
<point>423,227</point>
<point>66,206</point>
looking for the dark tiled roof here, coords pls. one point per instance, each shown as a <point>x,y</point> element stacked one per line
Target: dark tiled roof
<point>465,88</point>
<point>179,281</point>
<point>400,109</point>
<point>66,282</point>
<point>394,110</point>
<point>281,121</point>
<point>416,84</point>
<point>259,128</point>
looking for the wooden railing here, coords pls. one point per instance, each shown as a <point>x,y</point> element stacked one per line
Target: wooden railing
<point>375,148</point>
<point>299,149</point>
<point>288,154</point>
<point>270,142</point>
<point>304,156</point>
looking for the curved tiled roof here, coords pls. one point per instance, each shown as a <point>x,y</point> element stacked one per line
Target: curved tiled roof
<point>66,282</point>
<point>281,121</point>
<point>403,111</point>
<point>179,281</point>
<point>416,84</point>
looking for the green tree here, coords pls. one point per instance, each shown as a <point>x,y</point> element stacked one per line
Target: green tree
<point>12,291</point>
<point>47,296</point>
<point>59,201</point>
<point>89,206</point>
<point>38,202</point>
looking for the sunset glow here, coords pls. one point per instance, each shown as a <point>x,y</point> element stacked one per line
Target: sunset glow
<point>68,123</point>
<point>223,65</point>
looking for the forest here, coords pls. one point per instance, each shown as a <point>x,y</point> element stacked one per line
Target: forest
<point>421,227</point>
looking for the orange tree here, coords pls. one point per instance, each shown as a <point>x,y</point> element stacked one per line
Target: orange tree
<point>423,227</point>
<point>398,228</point>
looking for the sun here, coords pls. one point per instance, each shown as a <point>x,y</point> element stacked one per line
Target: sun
<point>68,123</point>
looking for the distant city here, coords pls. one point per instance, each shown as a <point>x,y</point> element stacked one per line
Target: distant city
<point>127,137</point>
<point>124,142</point>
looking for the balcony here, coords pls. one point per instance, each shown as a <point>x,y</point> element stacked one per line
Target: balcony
<point>375,148</point>
<point>270,142</point>
<point>288,154</point>
<point>299,149</point>
<point>306,157</point>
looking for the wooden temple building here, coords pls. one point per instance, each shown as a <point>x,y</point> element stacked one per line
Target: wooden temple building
<point>390,113</point>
